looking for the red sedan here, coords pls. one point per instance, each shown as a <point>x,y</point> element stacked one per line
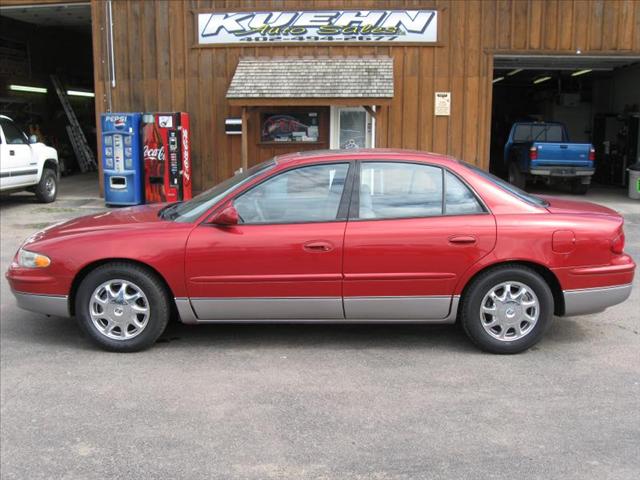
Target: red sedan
<point>336,236</point>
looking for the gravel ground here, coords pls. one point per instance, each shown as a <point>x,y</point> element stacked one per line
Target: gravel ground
<point>312,401</point>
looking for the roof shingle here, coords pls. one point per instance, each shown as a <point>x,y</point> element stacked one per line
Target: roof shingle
<point>348,77</point>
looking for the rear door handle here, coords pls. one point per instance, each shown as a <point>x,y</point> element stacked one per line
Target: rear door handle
<point>462,239</point>
<point>12,152</point>
<point>564,146</point>
<point>318,246</point>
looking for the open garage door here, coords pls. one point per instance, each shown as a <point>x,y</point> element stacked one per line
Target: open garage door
<point>596,98</point>
<point>42,45</point>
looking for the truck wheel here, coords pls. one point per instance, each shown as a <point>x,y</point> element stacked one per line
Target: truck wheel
<point>47,188</point>
<point>579,188</point>
<point>516,177</point>
<point>507,309</point>
<point>122,307</point>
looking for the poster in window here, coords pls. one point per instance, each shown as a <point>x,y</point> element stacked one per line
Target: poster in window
<point>290,127</point>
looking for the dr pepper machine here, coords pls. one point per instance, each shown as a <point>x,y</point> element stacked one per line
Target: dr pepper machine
<point>166,156</point>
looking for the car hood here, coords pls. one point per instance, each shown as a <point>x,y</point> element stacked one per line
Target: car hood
<point>561,205</point>
<point>125,218</point>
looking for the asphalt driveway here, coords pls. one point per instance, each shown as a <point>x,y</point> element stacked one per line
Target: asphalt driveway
<point>309,401</point>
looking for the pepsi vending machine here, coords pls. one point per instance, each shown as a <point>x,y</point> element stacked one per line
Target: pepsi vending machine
<point>121,159</point>
<point>166,156</point>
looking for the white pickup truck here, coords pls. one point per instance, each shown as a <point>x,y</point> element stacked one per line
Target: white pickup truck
<point>26,164</point>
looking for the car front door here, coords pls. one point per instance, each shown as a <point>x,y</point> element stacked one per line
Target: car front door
<point>18,168</point>
<point>284,258</point>
<point>412,233</point>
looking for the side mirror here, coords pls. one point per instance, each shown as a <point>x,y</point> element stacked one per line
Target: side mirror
<point>33,139</point>
<point>226,217</point>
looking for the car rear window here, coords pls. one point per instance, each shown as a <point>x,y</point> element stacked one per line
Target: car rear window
<point>532,132</point>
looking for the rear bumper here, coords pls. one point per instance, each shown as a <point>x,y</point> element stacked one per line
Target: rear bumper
<point>566,171</point>
<point>57,305</point>
<point>593,300</point>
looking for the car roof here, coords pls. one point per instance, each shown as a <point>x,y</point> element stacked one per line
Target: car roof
<point>390,154</point>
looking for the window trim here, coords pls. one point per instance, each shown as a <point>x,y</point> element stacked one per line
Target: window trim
<point>355,202</point>
<point>343,205</point>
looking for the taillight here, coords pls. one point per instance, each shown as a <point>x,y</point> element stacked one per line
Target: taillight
<point>617,244</point>
<point>592,154</point>
<point>533,153</point>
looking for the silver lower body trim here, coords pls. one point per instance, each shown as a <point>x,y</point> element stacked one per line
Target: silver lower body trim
<point>406,308</point>
<point>231,309</point>
<point>594,300</point>
<point>437,309</point>
<point>57,305</point>
<point>185,311</point>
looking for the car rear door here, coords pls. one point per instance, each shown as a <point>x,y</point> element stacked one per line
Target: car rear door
<point>284,259</point>
<point>18,167</point>
<point>412,233</point>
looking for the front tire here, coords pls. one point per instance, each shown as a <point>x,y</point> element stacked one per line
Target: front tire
<point>122,307</point>
<point>47,189</point>
<point>507,309</point>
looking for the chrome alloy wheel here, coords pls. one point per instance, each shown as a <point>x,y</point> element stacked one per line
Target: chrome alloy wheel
<point>50,186</point>
<point>119,309</point>
<point>509,311</point>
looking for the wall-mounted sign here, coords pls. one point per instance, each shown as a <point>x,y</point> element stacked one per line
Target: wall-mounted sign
<point>405,26</point>
<point>442,104</point>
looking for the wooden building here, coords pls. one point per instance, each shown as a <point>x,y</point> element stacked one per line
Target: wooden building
<point>151,56</point>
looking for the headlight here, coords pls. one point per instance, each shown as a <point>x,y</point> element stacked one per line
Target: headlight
<point>32,260</point>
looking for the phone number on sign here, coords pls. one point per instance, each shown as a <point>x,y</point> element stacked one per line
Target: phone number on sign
<point>315,38</point>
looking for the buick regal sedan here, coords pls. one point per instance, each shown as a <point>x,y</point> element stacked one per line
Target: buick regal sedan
<point>336,236</point>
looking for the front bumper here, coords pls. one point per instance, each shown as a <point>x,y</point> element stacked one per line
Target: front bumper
<point>57,305</point>
<point>594,300</point>
<point>549,171</point>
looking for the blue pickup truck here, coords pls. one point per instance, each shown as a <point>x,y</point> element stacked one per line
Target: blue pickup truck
<point>542,151</point>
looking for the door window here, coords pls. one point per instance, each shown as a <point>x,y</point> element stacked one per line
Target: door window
<point>306,194</point>
<point>459,200</point>
<point>12,134</point>
<point>353,128</point>
<point>399,190</point>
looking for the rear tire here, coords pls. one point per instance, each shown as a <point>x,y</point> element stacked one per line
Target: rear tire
<point>47,189</point>
<point>507,309</point>
<point>579,188</point>
<point>516,177</point>
<point>122,307</point>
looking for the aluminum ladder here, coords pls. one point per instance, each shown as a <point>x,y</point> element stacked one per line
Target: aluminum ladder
<point>84,155</point>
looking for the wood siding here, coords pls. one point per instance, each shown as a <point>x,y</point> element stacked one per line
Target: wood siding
<point>158,68</point>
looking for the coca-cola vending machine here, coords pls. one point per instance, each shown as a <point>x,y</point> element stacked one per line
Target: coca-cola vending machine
<point>166,156</point>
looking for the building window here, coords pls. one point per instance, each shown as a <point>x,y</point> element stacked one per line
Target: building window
<point>292,126</point>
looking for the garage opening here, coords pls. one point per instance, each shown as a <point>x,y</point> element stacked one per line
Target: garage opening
<point>46,78</point>
<point>594,99</point>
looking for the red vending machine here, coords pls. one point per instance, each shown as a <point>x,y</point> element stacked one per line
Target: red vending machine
<point>166,156</point>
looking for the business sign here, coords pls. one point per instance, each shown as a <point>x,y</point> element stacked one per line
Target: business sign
<point>326,26</point>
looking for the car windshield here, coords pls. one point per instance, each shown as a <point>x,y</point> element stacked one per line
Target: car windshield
<point>506,186</point>
<point>191,210</point>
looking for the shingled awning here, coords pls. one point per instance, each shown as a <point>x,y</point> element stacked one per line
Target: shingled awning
<point>312,81</point>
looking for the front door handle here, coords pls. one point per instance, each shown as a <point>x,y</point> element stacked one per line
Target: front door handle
<point>12,152</point>
<point>318,246</point>
<point>462,239</point>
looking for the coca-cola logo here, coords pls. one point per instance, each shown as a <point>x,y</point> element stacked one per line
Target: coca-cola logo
<point>153,153</point>
<point>185,155</point>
